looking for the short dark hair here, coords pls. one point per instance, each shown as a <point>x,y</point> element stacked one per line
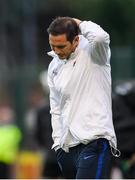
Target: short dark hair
<point>64,25</point>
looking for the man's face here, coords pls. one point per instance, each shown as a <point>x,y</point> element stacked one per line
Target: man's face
<point>61,46</point>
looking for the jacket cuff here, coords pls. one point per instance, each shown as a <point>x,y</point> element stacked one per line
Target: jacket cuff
<point>55,147</point>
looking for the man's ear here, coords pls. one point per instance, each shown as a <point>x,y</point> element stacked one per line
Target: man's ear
<point>76,41</point>
<point>76,38</point>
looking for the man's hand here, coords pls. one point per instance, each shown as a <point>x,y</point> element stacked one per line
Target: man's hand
<point>78,21</point>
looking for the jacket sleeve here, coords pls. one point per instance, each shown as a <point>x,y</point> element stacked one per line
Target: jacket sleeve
<point>55,111</point>
<point>99,41</point>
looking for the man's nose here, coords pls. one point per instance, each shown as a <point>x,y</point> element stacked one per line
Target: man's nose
<point>56,50</point>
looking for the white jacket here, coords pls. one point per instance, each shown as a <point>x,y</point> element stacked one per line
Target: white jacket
<point>80,91</point>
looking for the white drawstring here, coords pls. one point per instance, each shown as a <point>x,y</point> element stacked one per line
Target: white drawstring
<point>115,152</point>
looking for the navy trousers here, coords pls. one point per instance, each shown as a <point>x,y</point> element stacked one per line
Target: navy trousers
<point>91,161</point>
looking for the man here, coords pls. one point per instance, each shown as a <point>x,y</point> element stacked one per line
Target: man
<point>80,98</point>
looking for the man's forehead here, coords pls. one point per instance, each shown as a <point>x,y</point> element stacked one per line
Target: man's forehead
<point>59,38</point>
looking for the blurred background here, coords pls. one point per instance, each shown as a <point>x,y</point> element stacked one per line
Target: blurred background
<point>24,91</point>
